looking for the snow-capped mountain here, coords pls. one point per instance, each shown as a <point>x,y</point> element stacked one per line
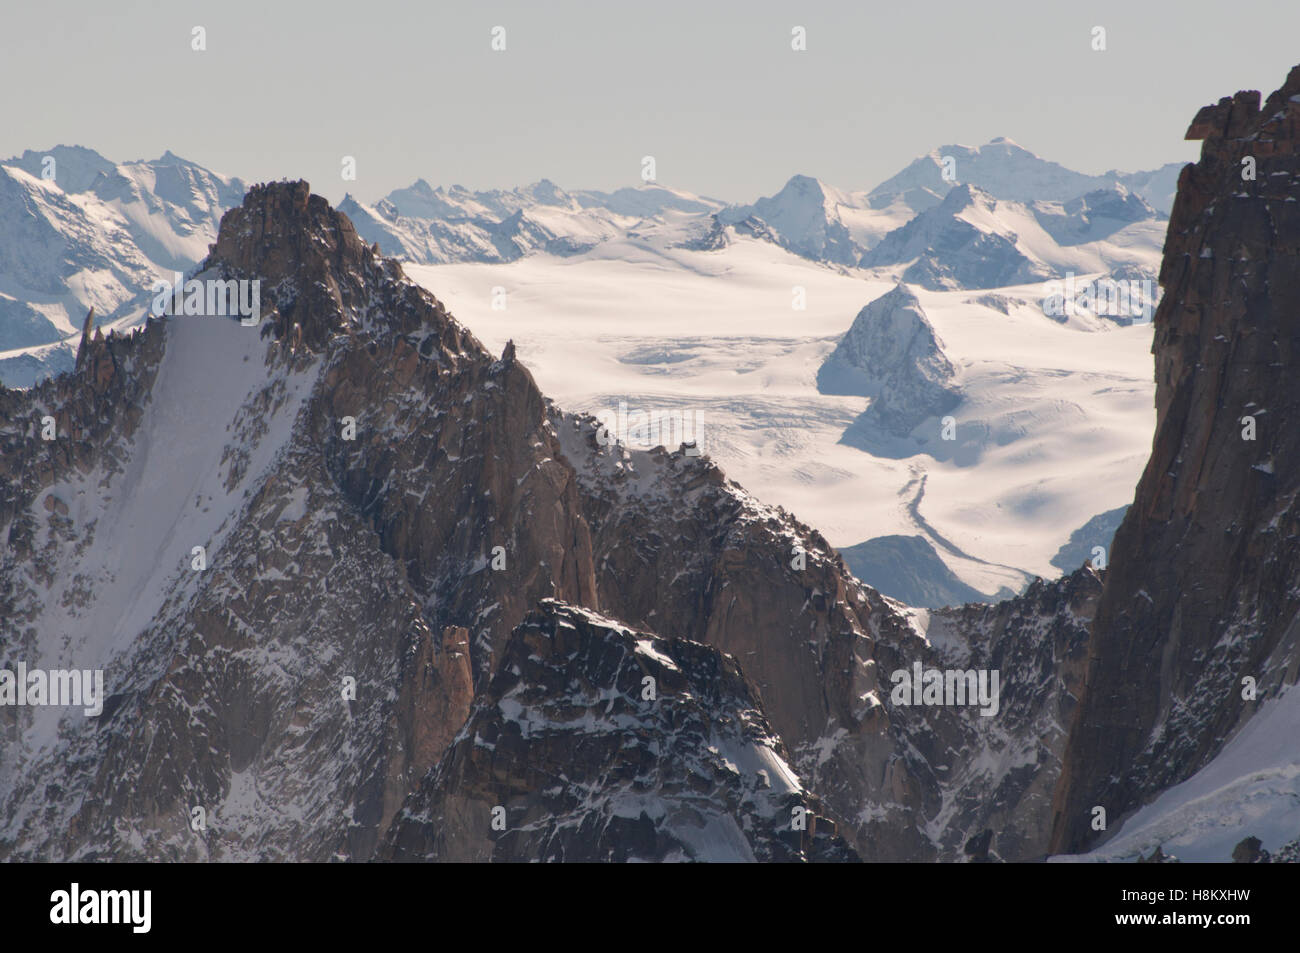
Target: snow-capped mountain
<point>963,242</point>
<point>807,217</point>
<point>171,206</point>
<point>437,226</point>
<point>822,223</point>
<point>891,354</point>
<point>973,240</point>
<point>351,665</point>
<point>1092,217</point>
<point>61,256</point>
<point>1007,170</point>
<point>79,232</point>
<point>605,277</point>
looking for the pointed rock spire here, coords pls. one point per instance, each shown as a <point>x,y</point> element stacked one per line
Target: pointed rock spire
<point>85,336</point>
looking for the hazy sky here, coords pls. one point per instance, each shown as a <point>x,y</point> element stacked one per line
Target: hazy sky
<point>582,91</point>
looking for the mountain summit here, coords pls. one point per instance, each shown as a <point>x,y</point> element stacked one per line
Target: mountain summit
<point>1007,170</point>
<point>349,565</point>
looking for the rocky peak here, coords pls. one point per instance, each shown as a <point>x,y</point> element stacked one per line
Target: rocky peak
<point>892,354</point>
<point>1200,594</point>
<point>597,742</point>
<point>281,231</point>
<point>408,557</point>
<point>964,196</point>
<point>318,277</point>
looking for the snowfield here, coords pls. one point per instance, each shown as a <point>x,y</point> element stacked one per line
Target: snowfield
<point>1054,428</point>
<point>675,304</point>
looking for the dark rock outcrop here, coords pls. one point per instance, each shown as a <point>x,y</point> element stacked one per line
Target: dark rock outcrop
<point>1200,601</point>
<point>595,742</point>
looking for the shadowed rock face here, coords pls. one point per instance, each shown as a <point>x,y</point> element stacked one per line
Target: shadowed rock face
<point>595,742</point>
<point>1200,592</point>
<point>992,773</point>
<point>363,593</point>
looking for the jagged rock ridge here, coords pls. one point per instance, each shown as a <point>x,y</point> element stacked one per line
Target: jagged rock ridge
<point>382,503</point>
<point>596,743</point>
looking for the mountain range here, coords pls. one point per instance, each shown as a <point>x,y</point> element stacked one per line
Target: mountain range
<point>81,231</point>
<point>450,609</point>
<point>757,383</point>
<point>360,591</point>
<point>806,217</point>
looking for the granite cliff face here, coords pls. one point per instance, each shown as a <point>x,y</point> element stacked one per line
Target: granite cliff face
<point>1200,600</point>
<point>316,556</point>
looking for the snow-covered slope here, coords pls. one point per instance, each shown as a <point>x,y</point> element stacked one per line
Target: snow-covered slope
<point>62,254</point>
<point>126,549</point>
<point>79,232</point>
<point>1251,789</point>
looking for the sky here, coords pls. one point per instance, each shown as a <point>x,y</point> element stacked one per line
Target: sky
<point>583,91</point>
